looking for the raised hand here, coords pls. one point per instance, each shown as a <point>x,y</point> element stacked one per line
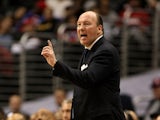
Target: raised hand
<point>48,54</point>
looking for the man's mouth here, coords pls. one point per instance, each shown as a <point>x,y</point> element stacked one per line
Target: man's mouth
<point>83,35</point>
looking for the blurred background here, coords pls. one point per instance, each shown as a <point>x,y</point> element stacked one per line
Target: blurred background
<point>132,26</point>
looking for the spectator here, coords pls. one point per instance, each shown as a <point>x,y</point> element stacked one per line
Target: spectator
<point>6,38</point>
<point>138,21</point>
<point>18,16</point>
<point>67,31</point>
<point>40,5</point>
<point>89,5</point>
<point>66,109</point>
<point>59,95</point>
<point>44,114</point>
<point>136,14</point>
<point>49,23</point>
<point>154,104</point>
<point>110,18</point>
<point>16,116</point>
<point>15,104</point>
<point>136,31</point>
<point>29,22</point>
<point>26,20</point>
<point>153,6</point>
<point>78,7</point>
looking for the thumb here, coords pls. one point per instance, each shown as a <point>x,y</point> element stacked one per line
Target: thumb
<point>50,43</point>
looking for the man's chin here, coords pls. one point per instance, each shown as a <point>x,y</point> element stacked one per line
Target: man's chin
<point>83,42</point>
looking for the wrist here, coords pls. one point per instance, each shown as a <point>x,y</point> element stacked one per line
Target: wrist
<point>54,63</point>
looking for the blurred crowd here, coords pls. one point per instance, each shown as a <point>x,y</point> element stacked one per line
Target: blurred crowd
<point>62,110</point>
<point>59,17</point>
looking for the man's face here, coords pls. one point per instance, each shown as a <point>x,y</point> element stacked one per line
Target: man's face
<point>87,29</point>
<point>66,111</point>
<point>15,103</point>
<point>59,96</point>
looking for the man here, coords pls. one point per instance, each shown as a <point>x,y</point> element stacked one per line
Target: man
<point>96,94</point>
<point>60,95</point>
<point>153,108</point>
<point>15,104</point>
<point>66,109</point>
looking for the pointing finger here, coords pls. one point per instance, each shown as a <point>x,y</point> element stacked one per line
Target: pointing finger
<point>50,44</point>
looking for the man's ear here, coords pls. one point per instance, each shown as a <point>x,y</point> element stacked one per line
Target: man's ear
<point>100,29</point>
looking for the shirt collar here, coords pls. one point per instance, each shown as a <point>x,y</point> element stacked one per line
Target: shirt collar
<point>89,47</point>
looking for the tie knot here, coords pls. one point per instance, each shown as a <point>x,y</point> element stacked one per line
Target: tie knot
<point>86,51</point>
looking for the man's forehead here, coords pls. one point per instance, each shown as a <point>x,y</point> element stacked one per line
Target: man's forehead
<point>87,16</point>
<point>89,13</point>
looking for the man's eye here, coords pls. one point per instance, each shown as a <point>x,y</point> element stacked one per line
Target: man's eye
<point>86,24</point>
<point>78,24</point>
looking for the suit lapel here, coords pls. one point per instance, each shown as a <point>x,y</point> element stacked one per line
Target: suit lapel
<point>97,44</point>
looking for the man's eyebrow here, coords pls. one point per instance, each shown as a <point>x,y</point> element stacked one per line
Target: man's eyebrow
<point>84,21</point>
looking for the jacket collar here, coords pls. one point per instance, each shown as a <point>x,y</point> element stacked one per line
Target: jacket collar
<point>98,43</point>
<point>90,47</point>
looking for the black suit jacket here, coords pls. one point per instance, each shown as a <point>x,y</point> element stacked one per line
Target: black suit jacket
<point>97,86</point>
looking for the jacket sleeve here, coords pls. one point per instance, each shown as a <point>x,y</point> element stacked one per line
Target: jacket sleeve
<point>98,70</point>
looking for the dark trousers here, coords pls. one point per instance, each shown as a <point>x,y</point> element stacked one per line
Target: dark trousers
<point>104,117</point>
<point>109,117</point>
